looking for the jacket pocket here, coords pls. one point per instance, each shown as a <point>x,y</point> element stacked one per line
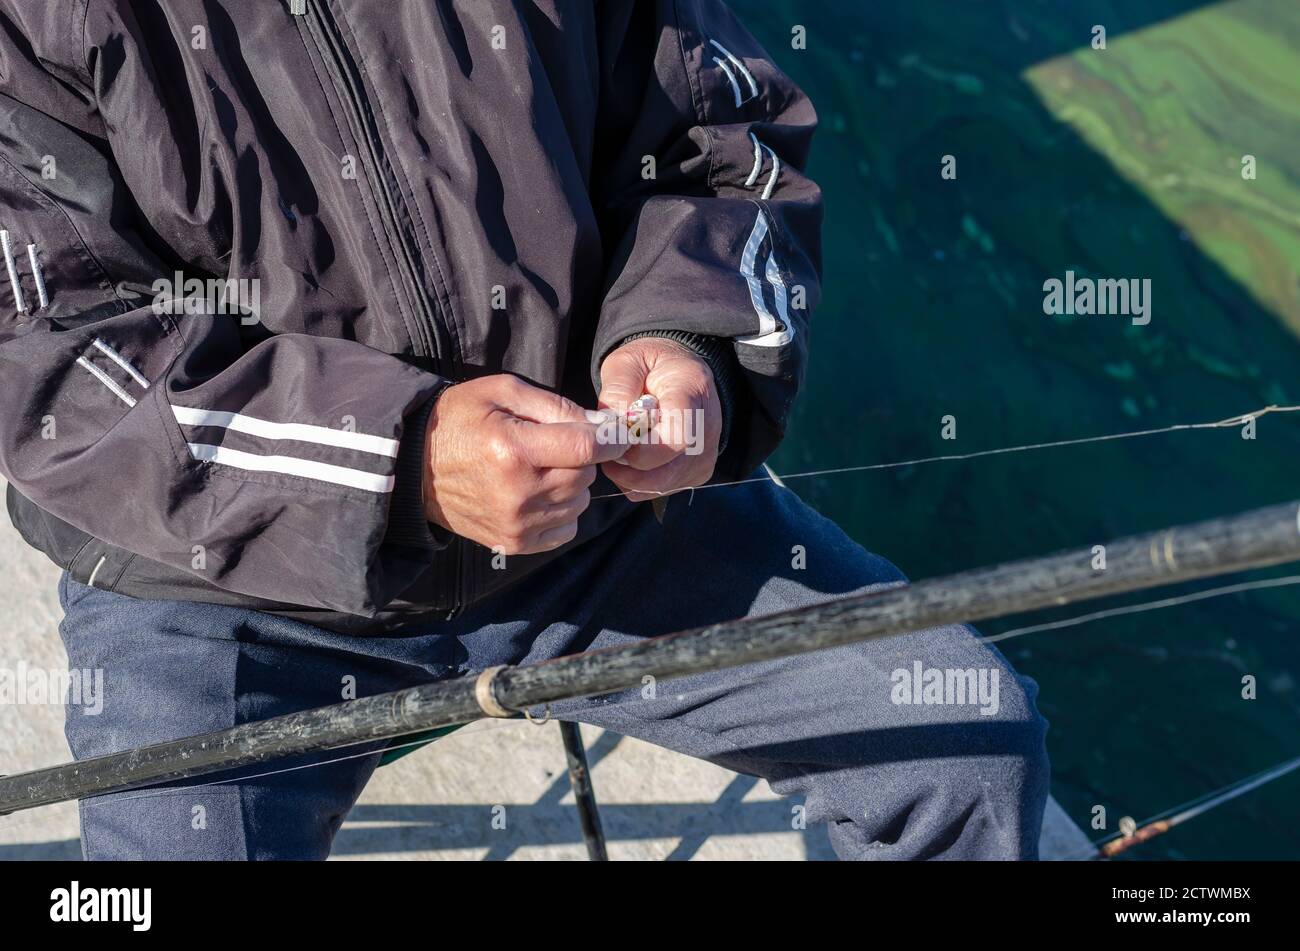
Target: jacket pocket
<point>48,271</point>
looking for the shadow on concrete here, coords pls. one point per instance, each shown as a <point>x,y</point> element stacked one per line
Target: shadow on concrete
<point>396,829</point>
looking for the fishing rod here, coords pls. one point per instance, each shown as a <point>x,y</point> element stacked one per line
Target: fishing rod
<point>1159,825</point>
<point>1255,539</point>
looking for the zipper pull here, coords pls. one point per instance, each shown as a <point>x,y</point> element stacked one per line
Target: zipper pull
<point>298,7</point>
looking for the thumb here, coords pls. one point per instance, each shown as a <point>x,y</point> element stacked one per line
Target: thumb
<point>622,379</point>
<point>535,404</point>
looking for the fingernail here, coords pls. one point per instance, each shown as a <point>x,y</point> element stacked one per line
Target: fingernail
<point>599,416</point>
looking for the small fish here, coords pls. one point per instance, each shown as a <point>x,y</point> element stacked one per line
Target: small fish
<point>640,417</point>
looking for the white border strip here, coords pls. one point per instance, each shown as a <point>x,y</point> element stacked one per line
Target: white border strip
<point>94,574</point>
<point>768,335</point>
<point>299,432</point>
<point>735,61</point>
<point>121,361</point>
<point>776,173</point>
<point>758,162</point>
<point>287,465</point>
<point>108,381</point>
<point>735,86</point>
<point>15,283</point>
<point>778,289</point>
<point>38,275</point>
<point>766,322</point>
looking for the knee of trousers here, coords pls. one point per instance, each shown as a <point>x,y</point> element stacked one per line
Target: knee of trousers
<point>971,787</point>
<point>985,801</point>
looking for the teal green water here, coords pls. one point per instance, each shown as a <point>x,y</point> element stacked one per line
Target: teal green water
<point>1120,163</point>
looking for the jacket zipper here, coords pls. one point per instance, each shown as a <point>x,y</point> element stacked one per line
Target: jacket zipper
<point>329,41</point>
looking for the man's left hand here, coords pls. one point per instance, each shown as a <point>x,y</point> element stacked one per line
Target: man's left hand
<point>683,448</point>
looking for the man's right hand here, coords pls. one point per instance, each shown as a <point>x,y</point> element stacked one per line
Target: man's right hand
<point>510,465</point>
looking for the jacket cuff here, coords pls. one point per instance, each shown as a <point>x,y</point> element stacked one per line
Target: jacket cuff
<point>720,355</point>
<point>408,526</point>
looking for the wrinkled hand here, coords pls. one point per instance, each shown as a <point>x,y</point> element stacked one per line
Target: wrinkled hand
<point>684,447</point>
<point>510,465</point>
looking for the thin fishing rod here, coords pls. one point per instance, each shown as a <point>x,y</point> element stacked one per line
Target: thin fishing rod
<point>1158,825</point>
<point>1255,539</point>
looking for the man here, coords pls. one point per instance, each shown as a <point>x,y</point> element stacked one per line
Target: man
<point>452,228</point>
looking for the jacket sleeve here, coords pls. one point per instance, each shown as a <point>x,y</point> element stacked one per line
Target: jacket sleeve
<point>713,229</point>
<point>282,467</point>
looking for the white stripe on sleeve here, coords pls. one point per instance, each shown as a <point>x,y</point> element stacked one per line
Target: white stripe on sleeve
<point>299,432</point>
<point>306,468</point>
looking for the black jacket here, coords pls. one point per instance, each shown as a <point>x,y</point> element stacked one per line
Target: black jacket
<point>412,193</point>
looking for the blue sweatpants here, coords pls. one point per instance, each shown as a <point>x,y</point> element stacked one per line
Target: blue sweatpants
<point>921,746</point>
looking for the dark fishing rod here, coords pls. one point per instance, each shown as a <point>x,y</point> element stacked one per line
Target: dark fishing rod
<point>1159,825</point>
<point>1255,539</point>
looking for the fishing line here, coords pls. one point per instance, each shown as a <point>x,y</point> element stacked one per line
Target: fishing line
<point>959,457</point>
<point>1069,622</point>
<point>1145,606</point>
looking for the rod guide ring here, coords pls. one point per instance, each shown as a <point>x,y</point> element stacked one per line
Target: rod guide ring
<point>485,693</point>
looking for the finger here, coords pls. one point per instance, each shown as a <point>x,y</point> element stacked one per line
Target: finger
<point>553,538</point>
<point>679,429</point>
<point>559,514</point>
<point>686,417</point>
<point>536,404</point>
<point>567,445</point>
<point>682,473</point>
<point>648,455</point>
<point>622,379</point>
<point>560,485</point>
